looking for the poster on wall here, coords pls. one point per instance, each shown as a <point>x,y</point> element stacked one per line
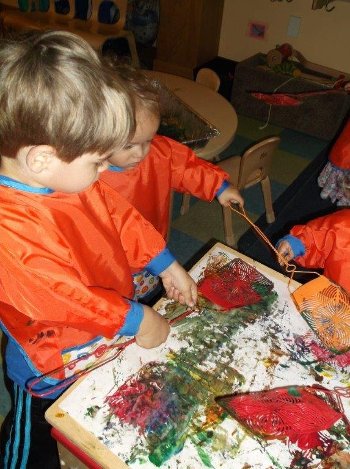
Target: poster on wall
<point>257,30</point>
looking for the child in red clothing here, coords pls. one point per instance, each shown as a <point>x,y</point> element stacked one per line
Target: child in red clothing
<point>335,176</point>
<point>68,243</point>
<point>323,243</point>
<point>151,166</point>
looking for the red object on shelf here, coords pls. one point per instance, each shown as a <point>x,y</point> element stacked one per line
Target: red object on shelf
<point>277,99</point>
<point>78,453</point>
<point>286,50</point>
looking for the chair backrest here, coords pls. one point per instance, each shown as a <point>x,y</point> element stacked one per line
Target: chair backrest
<point>207,77</point>
<point>121,5</point>
<point>256,162</point>
<point>62,12</point>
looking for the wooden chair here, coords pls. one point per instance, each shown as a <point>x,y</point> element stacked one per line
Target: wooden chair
<point>91,29</point>
<point>207,77</point>
<point>247,170</point>
<point>97,33</point>
<point>14,19</point>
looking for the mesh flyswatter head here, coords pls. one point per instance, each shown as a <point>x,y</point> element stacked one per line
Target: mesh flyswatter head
<point>296,413</point>
<point>326,308</point>
<point>323,304</point>
<point>234,285</point>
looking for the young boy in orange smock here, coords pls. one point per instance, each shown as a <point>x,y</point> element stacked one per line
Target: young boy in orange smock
<point>68,243</point>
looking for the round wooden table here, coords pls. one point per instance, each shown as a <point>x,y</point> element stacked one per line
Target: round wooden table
<point>209,104</point>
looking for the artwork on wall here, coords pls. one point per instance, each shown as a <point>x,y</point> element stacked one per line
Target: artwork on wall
<point>257,30</point>
<point>159,408</point>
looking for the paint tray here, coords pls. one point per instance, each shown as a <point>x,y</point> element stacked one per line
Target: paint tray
<point>181,123</point>
<point>296,413</point>
<point>234,285</point>
<point>326,308</point>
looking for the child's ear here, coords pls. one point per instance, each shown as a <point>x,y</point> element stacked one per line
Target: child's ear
<point>40,157</point>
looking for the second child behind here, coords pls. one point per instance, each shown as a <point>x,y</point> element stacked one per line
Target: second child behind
<point>151,166</point>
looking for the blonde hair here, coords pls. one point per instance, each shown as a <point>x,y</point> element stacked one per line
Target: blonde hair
<point>145,91</point>
<point>55,90</point>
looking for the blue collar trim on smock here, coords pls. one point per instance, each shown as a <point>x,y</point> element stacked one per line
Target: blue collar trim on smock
<point>9,182</point>
<point>117,169</point>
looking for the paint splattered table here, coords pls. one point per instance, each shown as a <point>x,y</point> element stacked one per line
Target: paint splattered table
<point>157,408</point>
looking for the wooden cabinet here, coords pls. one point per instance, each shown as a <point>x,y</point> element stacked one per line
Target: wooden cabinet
<point>189,34</point>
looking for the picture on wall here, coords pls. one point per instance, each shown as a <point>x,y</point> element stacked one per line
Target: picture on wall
<point>257,30</point>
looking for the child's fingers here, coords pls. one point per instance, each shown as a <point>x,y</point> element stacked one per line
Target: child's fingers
<point>182,299</point>
<point>284,256</point>
<point>239,200</point>
<point>189,296</point>
<point>282,259</point>
<point>170,293</point>
<point>234,202</point>
<point>186,298</point>
<point>194,294</point>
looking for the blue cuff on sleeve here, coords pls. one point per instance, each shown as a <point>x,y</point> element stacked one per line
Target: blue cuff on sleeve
<point>161,262</point>
<point>224,185</point>
<point>132,320</point>
<point>295,243</point>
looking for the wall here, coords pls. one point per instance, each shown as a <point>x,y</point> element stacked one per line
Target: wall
<point>324,38</point>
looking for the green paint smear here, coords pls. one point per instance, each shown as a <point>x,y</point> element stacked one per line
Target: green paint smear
<point>205,458</point>
<point>167,448</point>
<point>293,391</point>
<point>210,338</point>
<point>92,411</point>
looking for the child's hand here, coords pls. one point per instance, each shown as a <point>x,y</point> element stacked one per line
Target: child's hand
<point>284,249</point>
<point>154,329</point>
<point>230,196</point>
<point>179,285</point>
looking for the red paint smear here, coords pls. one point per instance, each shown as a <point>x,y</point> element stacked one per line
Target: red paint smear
<point>324,355</point>
<point>238,293</point>
<point>133,403</point>
<point>321,354</point>
<point>280,414</point>
<point>233,285</point>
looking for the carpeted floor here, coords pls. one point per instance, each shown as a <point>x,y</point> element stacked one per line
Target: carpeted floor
<point>202,225</point>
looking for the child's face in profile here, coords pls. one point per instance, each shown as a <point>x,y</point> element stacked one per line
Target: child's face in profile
<point>134,152</point>
<point>77,175</point>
